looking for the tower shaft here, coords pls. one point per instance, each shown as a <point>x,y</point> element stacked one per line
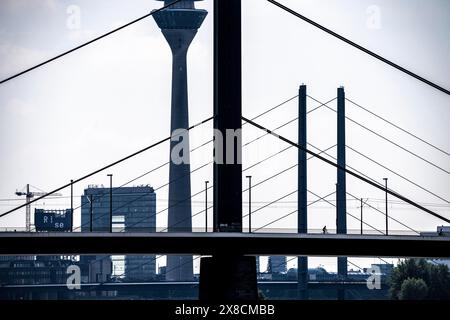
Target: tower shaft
<point>179,268</point>
<point>179,211</point>
<point>302,269</point>
<point>179,26</point>
<point>341,189</point>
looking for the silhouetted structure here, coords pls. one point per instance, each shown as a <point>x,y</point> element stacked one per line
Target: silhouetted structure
<point>229,276</point>
<point>341,191</point>
<point>179,24</point>
<point>302,180</point>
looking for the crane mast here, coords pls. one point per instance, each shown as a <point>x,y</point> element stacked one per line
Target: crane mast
<point>28,196</point>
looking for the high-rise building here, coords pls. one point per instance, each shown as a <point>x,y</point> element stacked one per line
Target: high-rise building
<point>179,24</point>
<point>258,271</point>
<point>42,270</point>
<point>133,210</point>
<point>277,264</point>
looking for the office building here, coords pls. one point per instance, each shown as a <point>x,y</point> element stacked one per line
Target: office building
<point>277,264</point>
<point>133,210</point>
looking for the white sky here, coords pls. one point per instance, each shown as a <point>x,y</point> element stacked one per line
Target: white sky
<point>112,98</point>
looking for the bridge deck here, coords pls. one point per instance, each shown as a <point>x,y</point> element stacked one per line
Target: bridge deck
<point>16,243</point>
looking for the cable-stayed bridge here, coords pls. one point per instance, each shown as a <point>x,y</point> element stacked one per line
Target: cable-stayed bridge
<point>228,229</point>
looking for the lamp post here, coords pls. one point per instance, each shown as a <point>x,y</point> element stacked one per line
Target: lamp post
<point>71,205</point>
<point>206,206</point>
<point>362,216</point>
<point>90,211</point>
<point>110,202</point>
<point>387,217</point>
<point>249,203</point>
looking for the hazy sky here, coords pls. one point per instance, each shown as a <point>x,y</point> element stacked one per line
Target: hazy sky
<point>113,97</point>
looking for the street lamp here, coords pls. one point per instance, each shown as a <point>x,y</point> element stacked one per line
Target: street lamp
<point>71,205</point>
<point>249,203</point>
<point>386,186</point>
<point>362,216</point>
<point>206,206</point>
<point>110,202</point>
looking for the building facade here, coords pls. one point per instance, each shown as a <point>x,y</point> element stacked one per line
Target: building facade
<point>133,210</point>
<point>277,264</point>
<point>33,270</point>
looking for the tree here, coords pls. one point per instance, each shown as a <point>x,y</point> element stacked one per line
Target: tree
<point>439,282</point>
<point>409,268</point>
<point>436,278</point>
<point>413,289</point>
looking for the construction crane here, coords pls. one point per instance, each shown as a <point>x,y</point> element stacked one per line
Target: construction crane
<point>30,195</point>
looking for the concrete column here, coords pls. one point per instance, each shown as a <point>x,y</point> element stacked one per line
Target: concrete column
<point>228,277</point>
<point>302,269</point>
<point>341,189</point>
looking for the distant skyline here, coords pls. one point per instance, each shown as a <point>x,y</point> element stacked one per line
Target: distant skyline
<point>112,98</point>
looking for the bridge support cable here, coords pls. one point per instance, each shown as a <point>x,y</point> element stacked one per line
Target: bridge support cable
<point>350,172</point>
<point>251,166</point>
<point>384,214</point>
<point>154,169</point>
<point>89,42</point>
<point>286,123</point>
<point>196,148</point>
<point>294,211</point>
<point>105,167</point>
<point>192,150</point>
<point>265,180</point>
<point>399,128</point>
<point>389,140</point>
<point>397,174</point>
<point>354,217</point>
<point>359,47</point>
